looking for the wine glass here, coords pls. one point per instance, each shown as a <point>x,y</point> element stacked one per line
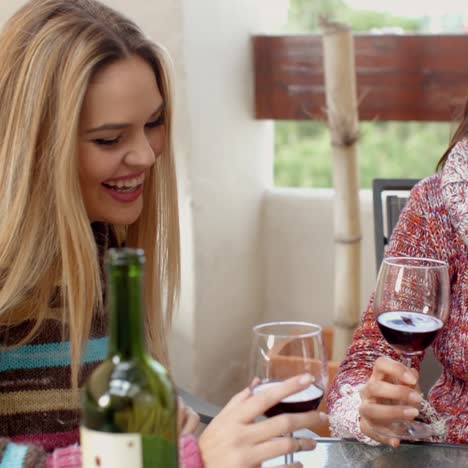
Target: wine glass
<point>411,305</point>
<point>281,350</point>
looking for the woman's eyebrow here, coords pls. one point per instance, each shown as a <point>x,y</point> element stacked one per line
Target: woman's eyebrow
<point>109,126</point>
<point>123,125</point>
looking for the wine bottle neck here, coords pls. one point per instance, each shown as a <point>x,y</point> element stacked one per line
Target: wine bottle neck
<point>126,307</point>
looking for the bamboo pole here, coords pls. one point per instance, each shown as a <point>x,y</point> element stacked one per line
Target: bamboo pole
<point>341,101</point>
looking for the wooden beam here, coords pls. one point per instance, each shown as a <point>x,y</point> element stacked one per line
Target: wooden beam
<point>399,77</point>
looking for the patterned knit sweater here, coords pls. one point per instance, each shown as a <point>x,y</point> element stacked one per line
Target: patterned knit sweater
<point>433,224</point>
<point>39,411</point>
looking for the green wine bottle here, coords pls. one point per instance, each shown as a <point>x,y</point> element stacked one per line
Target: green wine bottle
<point>129,405</point>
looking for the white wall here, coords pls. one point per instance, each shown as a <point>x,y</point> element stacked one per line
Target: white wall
<point>298,251</point>
<point>230,166</point>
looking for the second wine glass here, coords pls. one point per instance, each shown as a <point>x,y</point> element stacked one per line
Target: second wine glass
<point>411,305</point>
<point>281,350</point>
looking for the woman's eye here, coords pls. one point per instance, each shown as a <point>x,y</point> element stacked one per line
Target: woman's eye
<point>107,141</point>
<point>156,123</point>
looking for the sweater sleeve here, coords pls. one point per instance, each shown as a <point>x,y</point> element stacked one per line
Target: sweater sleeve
<point>70,457</point>
<point>21,455</point>
<point>189,452</point>
<point>65,457</point>
<point>412,237</point>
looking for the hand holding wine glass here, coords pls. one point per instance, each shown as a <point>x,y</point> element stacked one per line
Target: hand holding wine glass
<point>411,305</point>
<point>235,439</point>
<point>288,378</point>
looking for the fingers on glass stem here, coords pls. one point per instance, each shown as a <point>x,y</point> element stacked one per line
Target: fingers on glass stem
<point>298,444</point>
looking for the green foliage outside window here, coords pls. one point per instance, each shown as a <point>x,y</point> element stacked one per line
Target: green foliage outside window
<point>386,149</point>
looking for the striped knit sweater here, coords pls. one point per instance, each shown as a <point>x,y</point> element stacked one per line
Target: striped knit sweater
<point>37,404</point>
<point>39,411</point>
<point>433,224</point>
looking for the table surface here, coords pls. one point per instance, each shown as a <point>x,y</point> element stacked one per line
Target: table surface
<point>337,453</point>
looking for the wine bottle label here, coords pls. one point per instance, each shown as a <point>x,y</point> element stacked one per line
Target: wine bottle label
<point>110,450</point>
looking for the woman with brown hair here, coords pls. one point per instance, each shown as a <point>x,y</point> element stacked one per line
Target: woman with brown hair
<point>433,224</point>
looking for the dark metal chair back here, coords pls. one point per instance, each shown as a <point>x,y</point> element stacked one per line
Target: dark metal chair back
<point>388,204</point>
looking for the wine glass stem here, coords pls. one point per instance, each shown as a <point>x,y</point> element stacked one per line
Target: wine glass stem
<point>289,457</point>
<point>407,361</point>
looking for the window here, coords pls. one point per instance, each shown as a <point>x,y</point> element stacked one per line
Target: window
<point>387,149</point>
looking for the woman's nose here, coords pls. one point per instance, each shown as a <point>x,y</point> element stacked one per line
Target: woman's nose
<point>141,153</point>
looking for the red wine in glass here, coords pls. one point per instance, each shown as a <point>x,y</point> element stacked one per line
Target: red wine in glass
<point>409,332</point>
<point>306,400</point>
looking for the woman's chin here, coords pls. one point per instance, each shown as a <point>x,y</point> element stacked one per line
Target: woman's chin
<point>119,217</point>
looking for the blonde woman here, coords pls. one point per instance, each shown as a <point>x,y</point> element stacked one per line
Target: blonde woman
<point>85,163</point>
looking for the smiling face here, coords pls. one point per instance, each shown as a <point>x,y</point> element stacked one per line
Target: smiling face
<point>121,135</point>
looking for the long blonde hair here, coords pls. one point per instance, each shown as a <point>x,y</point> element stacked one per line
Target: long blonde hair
<point>49,52</point>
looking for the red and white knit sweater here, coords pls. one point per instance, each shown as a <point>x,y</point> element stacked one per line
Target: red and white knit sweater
<point>433,224</point>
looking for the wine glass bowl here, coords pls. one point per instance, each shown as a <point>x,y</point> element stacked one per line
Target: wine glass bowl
<point>411,305</point>
<point>281,350</point>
